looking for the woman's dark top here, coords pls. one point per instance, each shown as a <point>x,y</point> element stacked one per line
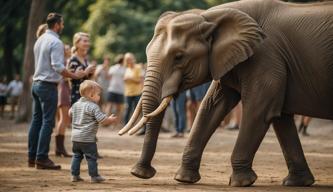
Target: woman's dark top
<point>74,65</point>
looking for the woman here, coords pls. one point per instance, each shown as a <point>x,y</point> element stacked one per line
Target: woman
<point>116,87</point>
<point>101,77</point>
<point>78,61</point>
<point>133,84</point>
<point>41,30</point>
<point>305,121</point>
<point>64,104</point>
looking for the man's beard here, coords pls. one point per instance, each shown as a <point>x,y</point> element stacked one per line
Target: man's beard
<point>59,31</point>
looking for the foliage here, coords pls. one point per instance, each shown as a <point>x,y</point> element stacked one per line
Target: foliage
<point>75,13</point>
<point>13,27</point>
<point>116,26</point>
<point>119,26</point>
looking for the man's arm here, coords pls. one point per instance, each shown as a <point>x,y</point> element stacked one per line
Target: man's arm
<point>57,62</point>
<point>77,75</point>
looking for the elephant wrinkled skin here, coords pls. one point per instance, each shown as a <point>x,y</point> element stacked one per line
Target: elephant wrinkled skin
<point>276,57</point>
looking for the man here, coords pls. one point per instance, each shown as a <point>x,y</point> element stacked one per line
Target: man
<point>49,69</point>
<point>15,89</point>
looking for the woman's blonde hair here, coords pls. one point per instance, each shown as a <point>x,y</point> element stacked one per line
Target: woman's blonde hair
<point>129,55</point>
<point>77,38</point>
<point>41,30</point>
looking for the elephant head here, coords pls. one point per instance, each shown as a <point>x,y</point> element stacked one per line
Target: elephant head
<point>188,49</point>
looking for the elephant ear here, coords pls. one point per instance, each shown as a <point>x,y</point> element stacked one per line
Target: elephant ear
<point>234,36</point>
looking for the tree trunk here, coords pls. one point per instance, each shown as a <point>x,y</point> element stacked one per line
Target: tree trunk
<point>36,17</point>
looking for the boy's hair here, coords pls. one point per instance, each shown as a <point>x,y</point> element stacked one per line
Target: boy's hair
<point>89,86</point>
<point>52,19</point>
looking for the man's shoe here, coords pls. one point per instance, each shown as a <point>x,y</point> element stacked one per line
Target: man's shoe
<point>47,164</point>
<point>31,163</point>
<point>76,178</point>
<point>97,179</point>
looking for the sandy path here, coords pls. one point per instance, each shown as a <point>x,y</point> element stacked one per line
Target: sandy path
<point>120,153</point>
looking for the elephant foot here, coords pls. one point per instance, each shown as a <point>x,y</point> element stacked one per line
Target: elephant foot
<point>187,176</point>
<point>242,179</point>
<point>143,171</point>
<point>299,180</point>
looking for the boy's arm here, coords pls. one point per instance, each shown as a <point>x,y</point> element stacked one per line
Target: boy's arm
<point>109,120</point>
<point>101,117</point>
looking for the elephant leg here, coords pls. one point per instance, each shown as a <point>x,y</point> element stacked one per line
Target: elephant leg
<point>252,131</point>
<point>143,168</point>
<point>215,106</point>
<point>299,171</point>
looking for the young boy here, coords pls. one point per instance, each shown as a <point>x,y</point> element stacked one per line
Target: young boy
<point>86,115</point>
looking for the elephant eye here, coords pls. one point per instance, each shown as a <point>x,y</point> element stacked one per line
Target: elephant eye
<point>179,57</point>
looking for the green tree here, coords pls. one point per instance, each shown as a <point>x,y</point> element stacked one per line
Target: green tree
<point>119,26</point>
<point>13,27</point>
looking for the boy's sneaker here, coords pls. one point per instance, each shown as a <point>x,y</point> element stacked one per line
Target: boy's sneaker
<point>76,178</point>
<point>97,179</point>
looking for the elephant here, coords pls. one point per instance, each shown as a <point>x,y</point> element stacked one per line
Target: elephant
<point>275,57</point>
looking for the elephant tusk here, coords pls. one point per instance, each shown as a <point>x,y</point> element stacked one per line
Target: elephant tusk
<point>133,119</point>
<point>164,104</point>
<point>137,127</point>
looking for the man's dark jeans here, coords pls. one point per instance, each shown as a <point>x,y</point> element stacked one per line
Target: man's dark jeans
<point>45,97</point>
<point>89,150</point>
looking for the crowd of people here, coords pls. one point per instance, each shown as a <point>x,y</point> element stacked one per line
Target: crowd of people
<point>9,95</point>
<point>68,91</point>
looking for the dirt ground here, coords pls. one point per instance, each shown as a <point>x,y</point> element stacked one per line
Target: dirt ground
<point>120,153</point>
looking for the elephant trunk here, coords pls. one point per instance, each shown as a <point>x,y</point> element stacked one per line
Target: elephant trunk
<point>151,99</point>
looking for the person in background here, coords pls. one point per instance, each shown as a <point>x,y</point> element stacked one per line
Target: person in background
<point>78,61</point>
<point>3,96</point>
<point>64,104</point>
<point>86,115</point>
<point>49,69</point>
<point>15,88</point>
<point>179,108</point>
<point>41,30</point>
<point>101,77</point>
<point>133,84</point>
<point>116,87</point>
<point>305,121</point>
<point>194,98</point>
<point>235,117</point>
